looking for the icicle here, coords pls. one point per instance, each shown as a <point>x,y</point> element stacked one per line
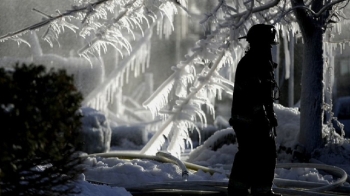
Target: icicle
<point>116,81</point>
<point>98,103</point>
<point>111,98</point>
<point>160,27</point>
<point>329,46</point>
<point>108,96</point>
<point>138,64</point>
<point>122,78</point>
<point>338,28</point>
<point>286,53</point>
<point>131,65</point>
<point>148,56</point>
<point>104,96</point>
<point>137,67</point>
<point>92,103</point>
<point>143,67</point>
<point>219,94</point>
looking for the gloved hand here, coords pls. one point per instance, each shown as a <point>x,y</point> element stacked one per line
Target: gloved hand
<point>239,122</point>
<point>231,121</point>
<point>273,120</point>
<point>263,123</point>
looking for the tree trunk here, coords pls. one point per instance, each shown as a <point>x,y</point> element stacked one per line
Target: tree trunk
<point>311,101</point>
<point>311,112</point>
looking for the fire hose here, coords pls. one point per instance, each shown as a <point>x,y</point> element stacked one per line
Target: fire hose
<point>290,187</point>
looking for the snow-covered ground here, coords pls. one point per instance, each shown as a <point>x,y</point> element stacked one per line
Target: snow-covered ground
<point>216,153</point>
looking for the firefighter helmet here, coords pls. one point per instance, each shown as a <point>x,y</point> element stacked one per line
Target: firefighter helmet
<point>261,34</point>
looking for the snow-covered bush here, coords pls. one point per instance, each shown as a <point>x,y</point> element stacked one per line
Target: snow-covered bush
<point>96,133</point>
<point>39,128</point>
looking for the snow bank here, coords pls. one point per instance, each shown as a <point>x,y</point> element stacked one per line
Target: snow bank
<point>96,133</point>
<point>288,126</point>
<point>124,173</point>
<point>219,149</point>
<point>224,141</point>
<point>303,174</point>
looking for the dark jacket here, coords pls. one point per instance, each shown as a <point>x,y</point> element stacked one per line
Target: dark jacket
<point>254,85</point>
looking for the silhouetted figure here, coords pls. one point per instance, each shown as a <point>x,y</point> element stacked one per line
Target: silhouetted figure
<point>252,116</point>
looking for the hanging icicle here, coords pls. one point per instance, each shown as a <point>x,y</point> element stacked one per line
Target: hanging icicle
<point>286,52</point>
<point>116,77</point>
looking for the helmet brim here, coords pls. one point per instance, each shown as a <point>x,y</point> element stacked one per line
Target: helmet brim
<point>272,43</point>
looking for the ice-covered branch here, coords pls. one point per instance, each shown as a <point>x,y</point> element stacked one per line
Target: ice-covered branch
<point>49,20</point>
<point>256,9</point>
<point>160,97</point>
<point>154,144</point>
<point>328,6</point>
<point>102,95</point>
<point>96,25</point>
<point>111,34</point>
<point>202,88</point>
<point>313,13</point>
<point>213,13</point>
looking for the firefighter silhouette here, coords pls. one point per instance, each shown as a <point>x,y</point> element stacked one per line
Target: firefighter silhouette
<point>252,115</point>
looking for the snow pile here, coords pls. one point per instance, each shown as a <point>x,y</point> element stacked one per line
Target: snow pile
<point>287,131</point>
<point>303,174</point>
<point>125,172</point>
<point>96,133</point>
<point>137,172</point>
<point>335,154</point>
<point>288,126</point>
<point>217,150</point>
